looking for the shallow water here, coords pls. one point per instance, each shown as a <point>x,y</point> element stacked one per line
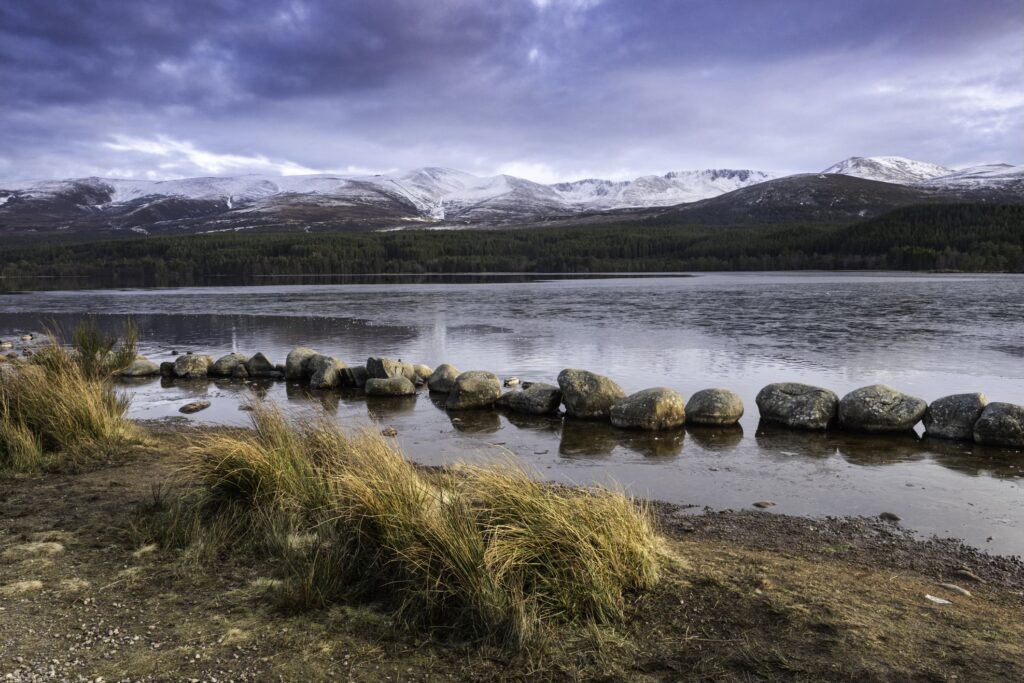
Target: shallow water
<point>927,335</point>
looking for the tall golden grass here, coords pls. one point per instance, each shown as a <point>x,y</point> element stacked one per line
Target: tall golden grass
<point>58,413</point>
<point>486,552</point>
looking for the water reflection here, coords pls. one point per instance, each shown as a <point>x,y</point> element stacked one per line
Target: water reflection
<point>385,407</point>
<point>717,438</point>
<point>475,421</point>
<point>855,448</point>
<point>587,439</point>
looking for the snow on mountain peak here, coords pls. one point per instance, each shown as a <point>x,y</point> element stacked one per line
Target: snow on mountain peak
<point>889,169</point>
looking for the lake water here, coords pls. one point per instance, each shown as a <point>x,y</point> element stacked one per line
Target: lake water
<point>928,335</point>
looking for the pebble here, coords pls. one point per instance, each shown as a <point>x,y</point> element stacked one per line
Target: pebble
<point>938,601</point>
<point>965,573</point>
<point>194,407</point>
<point>389,431</point>
<point>764,504</point>
<point>889,517</point>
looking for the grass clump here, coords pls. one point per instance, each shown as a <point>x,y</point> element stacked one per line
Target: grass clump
<point>483,552</point>
<point>56,415</point>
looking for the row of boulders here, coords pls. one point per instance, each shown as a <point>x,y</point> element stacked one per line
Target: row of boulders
<point>881,409</point>
<point>587,395</point>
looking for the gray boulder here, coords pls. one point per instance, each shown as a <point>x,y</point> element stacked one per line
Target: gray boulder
<point>588,395</point>
<point>192,365</point>
<point>719,407</point>
<point>650,410</point>
<point>297,363</point>
<point>880,408</point>
<point>423,373</point>
<point>194,407</point>
<point>225,365</point>
<point>390,386</point>
<point>474,389</point>
<point>260,366</point>
<point>326,372</point>
<point>140,367</point>
<point>382,368</point>
<point>953,417</point>
<point>538,399</point>
<point>442,379</point>
<point>800,406</point>
<point>239,372</point>
<point>354,376</point>
<point>1000,424</point>
<point>167,368</point>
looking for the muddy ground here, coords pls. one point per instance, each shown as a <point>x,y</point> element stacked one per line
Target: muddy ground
<point>746,596</point>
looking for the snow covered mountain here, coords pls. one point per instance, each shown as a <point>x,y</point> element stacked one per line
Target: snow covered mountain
<point>443,197</point>
<point>899,170</point>
<point>677,187</point>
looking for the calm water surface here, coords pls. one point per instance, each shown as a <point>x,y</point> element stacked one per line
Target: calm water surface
<point>927,335</point>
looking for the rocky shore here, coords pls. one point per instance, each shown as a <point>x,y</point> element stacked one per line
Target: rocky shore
<point>581,394</point>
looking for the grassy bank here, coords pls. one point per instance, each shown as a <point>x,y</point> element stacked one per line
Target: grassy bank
<point>483,553</point>
<point>58,410</point>
<point>741,597</point>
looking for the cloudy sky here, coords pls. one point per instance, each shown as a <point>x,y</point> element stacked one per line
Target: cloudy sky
<point>545,89</point>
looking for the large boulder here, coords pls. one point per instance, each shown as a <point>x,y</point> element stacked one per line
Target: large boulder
<point>140,367</point>
<point>718,407</point>
<point>192,365</point>
<point>651,410</point>
<point>390,386</point>
<point>225,365</point>
<point>382,368</point>
<point>588,395</point>
<point>537,399</point>
<point>326,372</point>
<point>354,376</point>
<point>880,408</point>
<point>297,363</point>
<point>474,389</point>
<point>1000,424</point>
<point>800,406</point>
<point>953,417</point>
<point>261,366</point>
<point>442,379</point>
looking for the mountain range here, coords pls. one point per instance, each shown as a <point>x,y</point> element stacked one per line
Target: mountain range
<point>432,197</point>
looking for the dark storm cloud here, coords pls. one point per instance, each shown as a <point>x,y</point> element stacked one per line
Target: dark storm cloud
<point>548,88</point>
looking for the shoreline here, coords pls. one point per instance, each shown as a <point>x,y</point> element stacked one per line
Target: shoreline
<point>845,598</point>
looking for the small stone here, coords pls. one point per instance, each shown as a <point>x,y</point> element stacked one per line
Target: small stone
<point>937,601</point>
<point>764,504</point>
<point>953,588</point>
<point>389,431</point>
<point>194,407</point>
<point>889,517</point>
<point>965,573</point>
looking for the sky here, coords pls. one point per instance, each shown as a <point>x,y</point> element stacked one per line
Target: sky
<point>548,90</point>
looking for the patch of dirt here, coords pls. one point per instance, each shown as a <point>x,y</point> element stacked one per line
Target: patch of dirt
<point>746,596</point>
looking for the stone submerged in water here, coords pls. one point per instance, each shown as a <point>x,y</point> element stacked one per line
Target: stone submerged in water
<point>880,408</point>
<point>354,376</point>
<point>650,410</point>
<point>588,395</point>
<point>390,386</point>
<point>1000,424</point>
<point>474,389</point>
<point>383,368</point>
<point>326,372</point>
<point>953,417</point>
<point>140,367</point>
<point>194,407</point>
<point>442,379</point>
<point>225,365</point>
<point>260,366</point>
<point>192,366</point>
<point>297,363</point>
<point>800,406</point>
<point>717,407</point>
<point>537,399</point>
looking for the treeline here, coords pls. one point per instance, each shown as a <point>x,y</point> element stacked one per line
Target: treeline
<point>965,237</point>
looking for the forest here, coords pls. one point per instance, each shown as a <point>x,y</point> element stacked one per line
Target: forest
<point>972,237</point>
